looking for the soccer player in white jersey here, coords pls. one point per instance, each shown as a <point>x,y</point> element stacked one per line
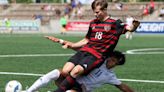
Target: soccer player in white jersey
<point>99,76</point>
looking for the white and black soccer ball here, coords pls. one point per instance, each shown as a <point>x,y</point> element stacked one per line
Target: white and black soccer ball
<point>13,86</point>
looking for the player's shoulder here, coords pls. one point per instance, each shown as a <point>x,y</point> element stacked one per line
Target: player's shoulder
<point>118,21</point>
<point>115,19</point>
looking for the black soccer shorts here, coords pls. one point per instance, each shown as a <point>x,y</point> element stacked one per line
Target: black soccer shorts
<point>86,60</point>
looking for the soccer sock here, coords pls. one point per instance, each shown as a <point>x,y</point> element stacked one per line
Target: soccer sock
<point>60,79</point>
<point>44,80</point>
<point>66,84</point>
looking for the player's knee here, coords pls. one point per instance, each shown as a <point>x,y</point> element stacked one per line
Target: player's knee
<point>77,70</point>
<point>67,68</point>
<point>65,72</point>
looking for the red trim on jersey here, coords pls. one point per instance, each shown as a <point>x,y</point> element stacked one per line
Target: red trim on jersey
<point>92,51</point>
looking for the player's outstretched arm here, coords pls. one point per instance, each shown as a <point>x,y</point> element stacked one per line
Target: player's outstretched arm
<point>61,41</point>
<point>65,44</point>
<point>124,88</point>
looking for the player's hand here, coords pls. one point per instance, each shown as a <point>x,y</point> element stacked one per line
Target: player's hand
<point>135,23</point>
<point>67,45</point>
<point>54,39</point>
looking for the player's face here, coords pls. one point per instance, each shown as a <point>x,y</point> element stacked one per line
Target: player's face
<point>111,62</point>
<point>99,14</point>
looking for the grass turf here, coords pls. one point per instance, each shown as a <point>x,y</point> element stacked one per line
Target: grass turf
<point>138,66</point>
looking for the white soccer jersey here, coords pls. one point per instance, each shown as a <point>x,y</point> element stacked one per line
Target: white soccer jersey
<point>97,77</point>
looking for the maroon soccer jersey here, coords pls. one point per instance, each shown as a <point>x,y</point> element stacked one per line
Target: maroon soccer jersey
<point>103,36</point>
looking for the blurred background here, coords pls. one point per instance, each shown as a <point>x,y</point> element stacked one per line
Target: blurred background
<point>60,16</point>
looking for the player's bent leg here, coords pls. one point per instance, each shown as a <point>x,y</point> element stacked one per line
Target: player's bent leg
<point>67,68</point>
<point>77,70</point>
<point>44,80</point>
<point>70,80</point>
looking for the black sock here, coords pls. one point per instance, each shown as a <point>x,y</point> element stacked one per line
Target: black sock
<point>67,84</point>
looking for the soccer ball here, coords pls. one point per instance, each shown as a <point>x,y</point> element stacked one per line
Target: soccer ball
<point>13,86</point>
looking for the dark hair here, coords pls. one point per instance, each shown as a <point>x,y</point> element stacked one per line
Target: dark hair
<point>120,57</point>
<point>102,3</point>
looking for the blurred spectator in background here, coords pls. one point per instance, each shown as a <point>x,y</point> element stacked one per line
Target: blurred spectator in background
<point>48,9</point>
<point>67,10</point>
<point>80,11</point>
<point>118,5</point>
<point>57,12</point>
<point>151,7</point>
<point>63,23</point>
<point>73,6</point>
<point>37,17</point>
<point>161,13</point>
<point>129,20</point>
<point>145,10</point>
<point>8,25</point>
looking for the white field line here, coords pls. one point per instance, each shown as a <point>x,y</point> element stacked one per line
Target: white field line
<point>38,75</point>
<point>35,55</point>
<point>142,81</point>
<point>20,74</point>
<point>146,51</point>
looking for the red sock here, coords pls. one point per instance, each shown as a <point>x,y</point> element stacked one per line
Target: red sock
<point>67,84</point>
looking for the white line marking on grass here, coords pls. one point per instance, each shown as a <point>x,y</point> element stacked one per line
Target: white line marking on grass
<point>35,55</point>
<point>143,81</point>
<point>38,75</point>
<point>21,74</point>
<point>146,51</point>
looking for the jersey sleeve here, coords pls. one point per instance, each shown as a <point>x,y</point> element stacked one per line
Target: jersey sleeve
<point>113,80</point>
<point>120,27</point>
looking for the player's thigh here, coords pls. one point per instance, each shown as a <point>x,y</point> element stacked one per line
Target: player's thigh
<point>68,67</point>
<point>78,69</point>
<point>73,61</point>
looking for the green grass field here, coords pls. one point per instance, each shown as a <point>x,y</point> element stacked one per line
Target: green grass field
<point>39,58</point>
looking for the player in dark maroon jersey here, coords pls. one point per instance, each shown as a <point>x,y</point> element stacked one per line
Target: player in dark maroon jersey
<point>101,39</point>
